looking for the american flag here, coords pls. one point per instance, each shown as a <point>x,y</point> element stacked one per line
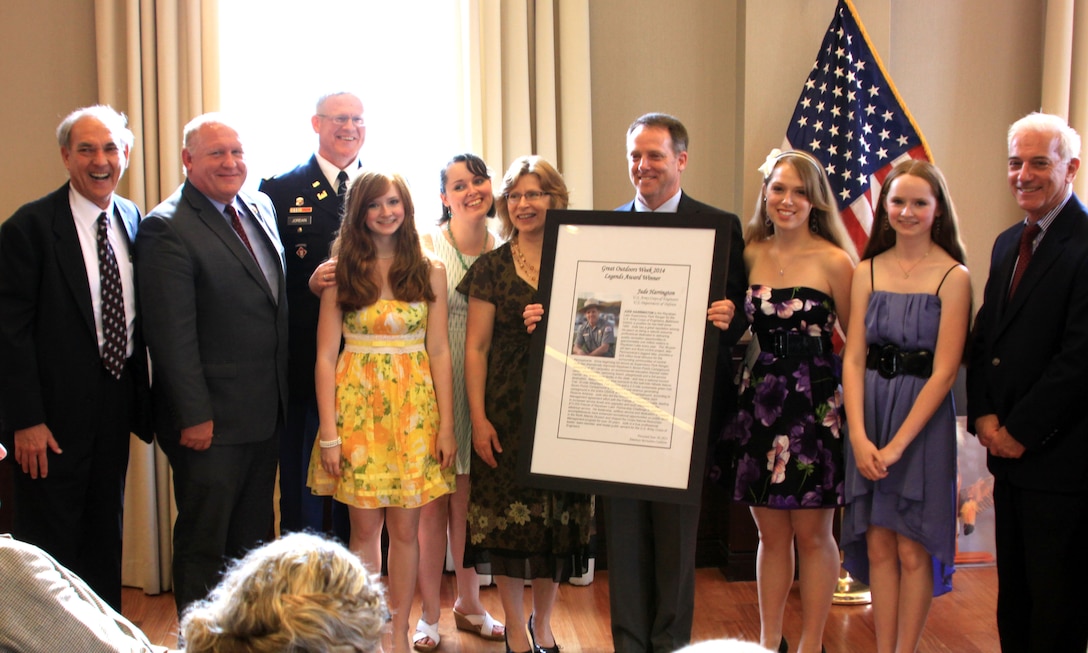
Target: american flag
<point>852,119</point>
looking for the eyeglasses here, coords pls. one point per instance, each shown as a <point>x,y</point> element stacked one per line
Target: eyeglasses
<point>341,121</point>
<point>532,196</point>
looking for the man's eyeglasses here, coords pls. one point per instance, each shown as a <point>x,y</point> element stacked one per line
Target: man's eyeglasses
<point>532,196</point>
<point>341,121</point>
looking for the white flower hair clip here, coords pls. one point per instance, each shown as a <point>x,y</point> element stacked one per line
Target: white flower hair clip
<point>768,165</point>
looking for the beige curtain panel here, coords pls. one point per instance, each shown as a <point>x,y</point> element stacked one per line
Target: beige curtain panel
<point>157,61</point>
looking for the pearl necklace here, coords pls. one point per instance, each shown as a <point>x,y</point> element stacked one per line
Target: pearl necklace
<point>526,268</point>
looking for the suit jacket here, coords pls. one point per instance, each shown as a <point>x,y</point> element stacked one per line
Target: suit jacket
<point>216,332</point>
<point>736,288</point>
<point>1029,356</point>
<point>50,365</point>
<point>308,216</point>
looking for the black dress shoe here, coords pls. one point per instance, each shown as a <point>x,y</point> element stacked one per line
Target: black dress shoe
<point>554,648</point>
<point>532,648</point>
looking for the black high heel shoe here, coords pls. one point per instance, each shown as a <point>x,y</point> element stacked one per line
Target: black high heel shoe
<point>532,645</point>
<point>554,648</point>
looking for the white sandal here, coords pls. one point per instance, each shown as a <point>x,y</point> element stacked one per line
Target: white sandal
<point>424,631</point>
<point>480,624</point>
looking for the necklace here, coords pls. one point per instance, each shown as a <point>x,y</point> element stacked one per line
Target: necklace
<point>526,268</point>
<point>906,271</point>
<point>457,250</point>
<point>778,264</point>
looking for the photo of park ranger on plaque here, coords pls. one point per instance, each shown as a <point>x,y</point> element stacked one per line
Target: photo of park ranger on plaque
<point>595,328</point>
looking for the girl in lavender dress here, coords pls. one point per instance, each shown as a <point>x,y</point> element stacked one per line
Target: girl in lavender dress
<point>911,304</point>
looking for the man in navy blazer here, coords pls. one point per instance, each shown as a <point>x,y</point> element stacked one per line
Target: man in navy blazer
<point>65,416</point>
<point>651,544</point>
<point>215,316</point>
<point>308,201</point>
<point>1027,384</point>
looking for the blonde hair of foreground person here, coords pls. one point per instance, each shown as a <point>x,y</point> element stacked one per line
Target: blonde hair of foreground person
<point>298,593</point>
<point>723,646</point>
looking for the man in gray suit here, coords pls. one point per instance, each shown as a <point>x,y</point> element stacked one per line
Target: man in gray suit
<point>210,274</point>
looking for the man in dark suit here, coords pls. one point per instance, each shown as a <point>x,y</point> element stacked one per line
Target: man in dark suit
<point>1027,382</point>
<point>651,544</point>
<point>73,369</point>
<point>308,202</point>
<point>210,270</point>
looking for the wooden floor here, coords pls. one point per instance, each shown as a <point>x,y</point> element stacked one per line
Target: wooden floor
<point>959,622</point>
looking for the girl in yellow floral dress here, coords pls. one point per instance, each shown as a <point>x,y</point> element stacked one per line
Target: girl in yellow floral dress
<point>385,404</point>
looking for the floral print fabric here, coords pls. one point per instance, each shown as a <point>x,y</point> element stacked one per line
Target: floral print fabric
<point>523,532</point>
<point>787,437</point>
<point>386,412</point>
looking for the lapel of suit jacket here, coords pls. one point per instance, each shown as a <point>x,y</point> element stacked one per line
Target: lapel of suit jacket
<point>216,222</point>
<point>69,255</point>
<point>1046,255</point>
<point>321,193</point>
<point>267,221</point>
<point>129,216</point>
<point>686,204</point>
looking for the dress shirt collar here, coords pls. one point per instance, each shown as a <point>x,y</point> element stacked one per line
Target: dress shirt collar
<point>1048,219</point>
<point>671,205</point>
<point>84,211</point>
<point>331,172</point>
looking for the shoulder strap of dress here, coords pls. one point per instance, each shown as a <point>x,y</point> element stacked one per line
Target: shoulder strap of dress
<point>945,277</point>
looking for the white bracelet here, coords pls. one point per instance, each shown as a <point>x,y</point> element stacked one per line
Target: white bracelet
<point>329,444</point>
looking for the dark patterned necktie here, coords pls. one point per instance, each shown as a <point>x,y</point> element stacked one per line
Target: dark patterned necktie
<point>114,325</point>
<point>236,222</point>
<point>1027,237</point>
<point>342,187</point>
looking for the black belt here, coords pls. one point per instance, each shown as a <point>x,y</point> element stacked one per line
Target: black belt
<point>890,361</point>
<point>785,343</point>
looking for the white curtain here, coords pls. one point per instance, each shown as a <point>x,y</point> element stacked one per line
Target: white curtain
<point>527,91</point>
<point>1065,70</point>
<point>157,62</point>
<point>526,68</point>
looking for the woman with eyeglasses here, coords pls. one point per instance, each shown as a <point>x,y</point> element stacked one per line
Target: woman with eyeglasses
<point>525,533</point>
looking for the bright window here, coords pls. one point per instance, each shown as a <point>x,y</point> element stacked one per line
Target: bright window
<point>401,57</point>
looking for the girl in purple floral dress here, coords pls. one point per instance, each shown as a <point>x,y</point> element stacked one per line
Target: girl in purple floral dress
<point>787,435</point>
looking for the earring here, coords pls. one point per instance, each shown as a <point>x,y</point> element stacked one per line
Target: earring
<point>887,226</point>
<point>936,228</point>
<point>813,224</point>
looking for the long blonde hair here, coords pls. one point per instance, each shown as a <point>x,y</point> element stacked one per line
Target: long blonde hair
<point>824,219</point>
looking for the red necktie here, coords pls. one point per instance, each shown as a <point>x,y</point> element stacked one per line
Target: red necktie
<point>114,326</point>
<point>1027,237</point>
<point>236,222</point>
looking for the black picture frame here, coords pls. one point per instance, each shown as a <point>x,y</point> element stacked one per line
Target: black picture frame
<point>632,421</point>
